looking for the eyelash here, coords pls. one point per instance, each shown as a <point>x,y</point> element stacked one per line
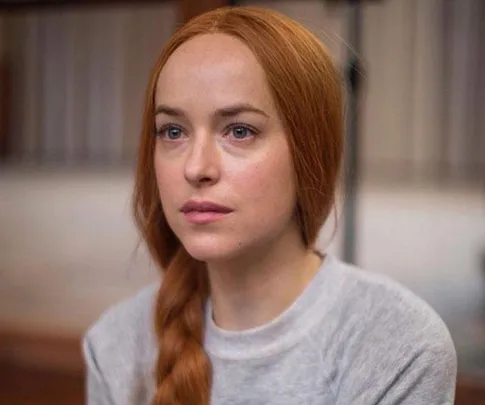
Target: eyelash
<point>160,132</point>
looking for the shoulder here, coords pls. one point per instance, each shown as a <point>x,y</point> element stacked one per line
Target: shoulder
<point>119,351</point>
<point>381,305</point>
<point>391,340</point>
<point>123,333</point>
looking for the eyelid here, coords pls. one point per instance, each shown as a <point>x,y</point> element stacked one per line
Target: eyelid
<point>250,128</point>
<point>164,127</point>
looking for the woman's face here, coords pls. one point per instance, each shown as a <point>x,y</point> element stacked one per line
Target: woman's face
<point>220,141</point>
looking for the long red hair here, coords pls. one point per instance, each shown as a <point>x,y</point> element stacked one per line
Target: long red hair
<point>307,90</point>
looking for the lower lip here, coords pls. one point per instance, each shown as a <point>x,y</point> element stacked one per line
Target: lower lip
<point>199,217</point>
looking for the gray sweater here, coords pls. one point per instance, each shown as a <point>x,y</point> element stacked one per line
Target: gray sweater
<point>352,337</point>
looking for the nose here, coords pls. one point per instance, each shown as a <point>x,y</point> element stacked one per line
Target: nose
<point>202,163</point>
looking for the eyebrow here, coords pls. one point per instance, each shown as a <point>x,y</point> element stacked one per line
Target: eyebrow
<point>229,111</point>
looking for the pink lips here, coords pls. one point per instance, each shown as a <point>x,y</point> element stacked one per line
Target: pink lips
<point>203,212</point>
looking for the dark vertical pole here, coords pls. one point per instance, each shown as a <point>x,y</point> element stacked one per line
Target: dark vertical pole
<point>5,135</point>
<point>352,136</point>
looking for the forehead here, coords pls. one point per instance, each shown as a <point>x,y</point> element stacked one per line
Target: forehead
<point>217,67</point>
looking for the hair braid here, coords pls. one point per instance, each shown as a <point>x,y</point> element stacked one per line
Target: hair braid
<point>183,370</point>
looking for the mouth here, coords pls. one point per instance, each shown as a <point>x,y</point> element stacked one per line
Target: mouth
<point>203,212</point>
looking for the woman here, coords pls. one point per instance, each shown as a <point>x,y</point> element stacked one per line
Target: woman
<point>238,167</point>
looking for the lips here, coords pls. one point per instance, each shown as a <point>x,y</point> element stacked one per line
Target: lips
<point>204,212</point>
<point>204,206</point>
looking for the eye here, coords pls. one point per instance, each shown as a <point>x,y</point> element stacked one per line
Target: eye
<point>174,132</point>
<point>170,132</point>
<point>241,132</point>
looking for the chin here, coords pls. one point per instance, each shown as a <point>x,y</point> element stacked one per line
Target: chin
<point>212,249</point>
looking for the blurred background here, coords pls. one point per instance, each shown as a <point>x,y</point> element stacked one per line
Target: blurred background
<point>72,81</point>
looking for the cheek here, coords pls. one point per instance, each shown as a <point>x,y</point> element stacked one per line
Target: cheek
<point>167,176</point>
<point>267,186</point>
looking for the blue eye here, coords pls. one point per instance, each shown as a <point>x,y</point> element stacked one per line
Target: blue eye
<point>170,132</point>
<point>241,131</point>
<point>173,132</point>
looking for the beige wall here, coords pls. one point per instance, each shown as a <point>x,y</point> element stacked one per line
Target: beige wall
<point>68,247</point>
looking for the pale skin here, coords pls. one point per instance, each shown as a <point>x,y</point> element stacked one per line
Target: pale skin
<point>220,139</point>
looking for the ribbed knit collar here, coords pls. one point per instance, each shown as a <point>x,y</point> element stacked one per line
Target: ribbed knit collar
<point>283,331</point>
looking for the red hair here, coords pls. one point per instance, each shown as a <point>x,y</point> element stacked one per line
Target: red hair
<point>307,91</point>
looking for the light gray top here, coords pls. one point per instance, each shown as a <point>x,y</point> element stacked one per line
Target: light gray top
<point>351,337</point>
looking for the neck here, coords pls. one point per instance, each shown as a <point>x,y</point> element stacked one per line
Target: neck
<point>251,291</point>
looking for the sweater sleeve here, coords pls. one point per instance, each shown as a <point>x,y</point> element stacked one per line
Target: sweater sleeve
<point>96,389</point>
<point>429,379</point>
<point>404,356</point>
<point>423,377</point>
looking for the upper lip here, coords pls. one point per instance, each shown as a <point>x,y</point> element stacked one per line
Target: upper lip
<point>204,206</point>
